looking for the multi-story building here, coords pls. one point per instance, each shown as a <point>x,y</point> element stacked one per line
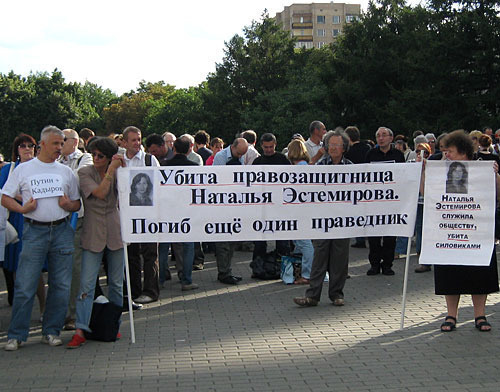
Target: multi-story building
<point>317,24</point>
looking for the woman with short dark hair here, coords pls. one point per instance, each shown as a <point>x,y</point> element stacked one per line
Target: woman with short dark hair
<point>455,280</point>
<point>101,232</point>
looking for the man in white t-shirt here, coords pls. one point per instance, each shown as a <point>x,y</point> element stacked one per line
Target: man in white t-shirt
<point>314,144</point>
<point>49,194</point>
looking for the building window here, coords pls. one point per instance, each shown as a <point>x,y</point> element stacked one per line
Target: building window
<point>305,45</point>
<point>336,19</point>
<point>335,32</point>
<point>321,19</point>
<point>321,32</point>
<point>351,18</point>
<point>301,19</point>
<point>321,44</point>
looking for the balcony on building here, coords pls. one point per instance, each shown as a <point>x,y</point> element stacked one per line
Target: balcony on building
<point>302,21</point>
<point>303,38</point>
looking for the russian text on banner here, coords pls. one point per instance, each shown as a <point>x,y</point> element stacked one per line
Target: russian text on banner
<point>459,210</point>
<point>244,203</point>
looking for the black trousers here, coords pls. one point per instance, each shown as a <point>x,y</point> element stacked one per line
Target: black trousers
<point>381,251</point>
<point>149,253</point>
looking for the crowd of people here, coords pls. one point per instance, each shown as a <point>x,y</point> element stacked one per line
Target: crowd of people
<point>73,229</point>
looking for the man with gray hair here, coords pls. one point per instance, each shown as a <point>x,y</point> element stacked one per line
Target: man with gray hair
<point>169,138</point>
<point>381,253</point>
<point>49,193</point>
<point>330,255</point>
<point>431,139</point>
<point>412,156</point>
<point>72,157</point>
<point>192,156</point>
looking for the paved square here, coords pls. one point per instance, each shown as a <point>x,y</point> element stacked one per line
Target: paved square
<point>252,337</point>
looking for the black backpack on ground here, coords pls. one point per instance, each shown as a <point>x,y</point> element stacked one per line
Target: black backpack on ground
<point>267,268</point>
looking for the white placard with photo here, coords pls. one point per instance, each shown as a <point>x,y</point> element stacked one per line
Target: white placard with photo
<point>244,203</point>
<point>459,212</point>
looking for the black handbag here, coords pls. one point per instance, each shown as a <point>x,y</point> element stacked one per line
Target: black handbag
<point>104,322</point>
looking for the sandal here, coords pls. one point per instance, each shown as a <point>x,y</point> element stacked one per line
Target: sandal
<point>449,326</point>
<point>483,323</point>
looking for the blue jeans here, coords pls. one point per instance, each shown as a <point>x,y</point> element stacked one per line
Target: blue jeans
<point>187,261</point>
<point>401,245</point>
<point>306,248</point>
<point>40,243</point>
<point>91,262</point>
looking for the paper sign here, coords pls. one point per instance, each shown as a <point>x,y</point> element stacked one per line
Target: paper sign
<point>459,212</point>
<point>46,185</point>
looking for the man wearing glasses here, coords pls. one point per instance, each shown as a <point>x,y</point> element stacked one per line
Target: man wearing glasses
<point>72,157</point>
<point>169,139</point>
<point>382,249</point>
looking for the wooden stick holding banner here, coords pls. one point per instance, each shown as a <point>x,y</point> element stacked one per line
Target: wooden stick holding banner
<point>129,294</point>
<point>405,284</point>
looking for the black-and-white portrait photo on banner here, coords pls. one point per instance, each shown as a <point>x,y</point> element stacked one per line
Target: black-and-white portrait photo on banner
<point>457,178</point>
<point>141,188</point>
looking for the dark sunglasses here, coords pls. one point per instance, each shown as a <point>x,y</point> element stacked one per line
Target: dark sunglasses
<point>29,145</point>
<point>98,155</point>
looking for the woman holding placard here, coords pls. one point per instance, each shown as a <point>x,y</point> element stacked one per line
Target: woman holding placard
<point>454,280</point>
<point>101,232</point>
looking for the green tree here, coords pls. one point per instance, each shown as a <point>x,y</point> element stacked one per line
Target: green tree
<point>254,65</point>
<point>90,100</point>
<point>179,113</point>
<point>133,107</point>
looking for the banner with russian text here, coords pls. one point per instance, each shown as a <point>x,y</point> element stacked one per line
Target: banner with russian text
<point>243,203</point>
<point>459,213</point>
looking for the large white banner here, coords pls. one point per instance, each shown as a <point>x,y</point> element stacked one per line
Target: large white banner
<point>459,212</point>
<point>242,203</point>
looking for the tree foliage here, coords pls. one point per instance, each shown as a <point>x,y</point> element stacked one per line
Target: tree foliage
<point>434,67</point>
<point>27,104</point>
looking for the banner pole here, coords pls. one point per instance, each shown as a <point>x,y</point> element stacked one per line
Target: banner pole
<point>129,294</point>
<point>405,283</point>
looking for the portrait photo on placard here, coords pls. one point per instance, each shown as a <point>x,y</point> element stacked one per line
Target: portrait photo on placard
<point>141,189</point>
<point>457,177</point>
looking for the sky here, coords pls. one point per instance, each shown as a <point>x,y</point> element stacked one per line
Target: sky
<point>116,44</point>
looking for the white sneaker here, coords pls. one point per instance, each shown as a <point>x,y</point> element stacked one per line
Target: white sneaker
<point>52,340</point>
<point>144,299</point>
<point>12,345</point>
